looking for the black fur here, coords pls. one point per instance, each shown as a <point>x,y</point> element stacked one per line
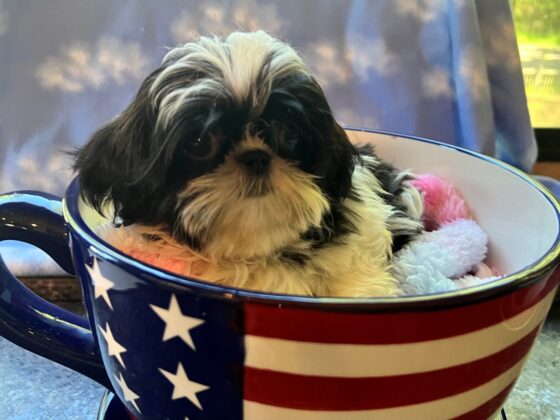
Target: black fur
<point>392,181</point>
<point>387,175</point>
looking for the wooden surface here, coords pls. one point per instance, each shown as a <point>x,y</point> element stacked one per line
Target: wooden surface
<point>551,169</point>
<point>55,288</point>
<point>62,291</point>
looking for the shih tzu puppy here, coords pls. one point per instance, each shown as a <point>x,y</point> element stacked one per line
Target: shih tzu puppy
<point>230,152</point>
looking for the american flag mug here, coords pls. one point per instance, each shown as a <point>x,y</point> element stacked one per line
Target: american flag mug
<point>176,348</point>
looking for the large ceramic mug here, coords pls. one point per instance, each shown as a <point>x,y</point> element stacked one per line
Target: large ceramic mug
<point>174,347</point>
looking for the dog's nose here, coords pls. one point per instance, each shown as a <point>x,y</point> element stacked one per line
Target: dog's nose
<point>257,161</point>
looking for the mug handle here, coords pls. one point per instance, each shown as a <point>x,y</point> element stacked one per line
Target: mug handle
<point>26,319</point>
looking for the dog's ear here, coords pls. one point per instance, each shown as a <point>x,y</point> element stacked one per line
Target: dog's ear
<point>97,165</point>
<point>335,155</point>
<point>337,165</point>
<point>114,160</point>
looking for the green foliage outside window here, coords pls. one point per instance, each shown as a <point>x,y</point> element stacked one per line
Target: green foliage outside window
<point>537,26</point>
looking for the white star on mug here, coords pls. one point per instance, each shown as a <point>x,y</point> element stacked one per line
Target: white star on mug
<point>114,348</point>
<point>101,284</point>
<point>177,324</point>
<point>183,387</point>
<point>127,392</point>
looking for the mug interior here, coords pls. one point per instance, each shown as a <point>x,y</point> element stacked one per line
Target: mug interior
<point>520,217</point>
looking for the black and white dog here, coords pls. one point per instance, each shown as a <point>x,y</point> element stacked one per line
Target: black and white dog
<point>230,150</point>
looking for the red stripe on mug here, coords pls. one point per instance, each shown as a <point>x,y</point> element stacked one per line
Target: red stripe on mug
<point>390,328</point>
<point>488,408</point>
<point>343,394</point>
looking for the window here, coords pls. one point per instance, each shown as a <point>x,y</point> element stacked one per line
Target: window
<point>537,25</point>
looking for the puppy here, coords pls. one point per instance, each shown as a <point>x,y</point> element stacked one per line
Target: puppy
<point>231,151</point>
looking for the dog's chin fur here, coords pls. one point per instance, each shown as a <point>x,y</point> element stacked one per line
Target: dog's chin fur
<point>323,217</point>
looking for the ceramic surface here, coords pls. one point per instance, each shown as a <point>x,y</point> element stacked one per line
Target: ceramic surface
<point>172,347</point>
<point>111,408</point>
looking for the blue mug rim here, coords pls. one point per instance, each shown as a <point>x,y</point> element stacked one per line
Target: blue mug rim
<point>506,284</point>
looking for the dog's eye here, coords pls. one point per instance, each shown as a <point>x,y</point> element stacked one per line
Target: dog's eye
<point>280,135</point>
<point>290,142</point>
<point>203,147</point>
<point>290,139</point>
<point>272,133</point>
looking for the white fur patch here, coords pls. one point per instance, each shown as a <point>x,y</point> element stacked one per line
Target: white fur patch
<point>232,66</point>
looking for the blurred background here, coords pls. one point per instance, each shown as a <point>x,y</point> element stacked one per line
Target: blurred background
<point>537,25</point>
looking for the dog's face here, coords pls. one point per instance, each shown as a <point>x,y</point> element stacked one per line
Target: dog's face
<point>230,145</point>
